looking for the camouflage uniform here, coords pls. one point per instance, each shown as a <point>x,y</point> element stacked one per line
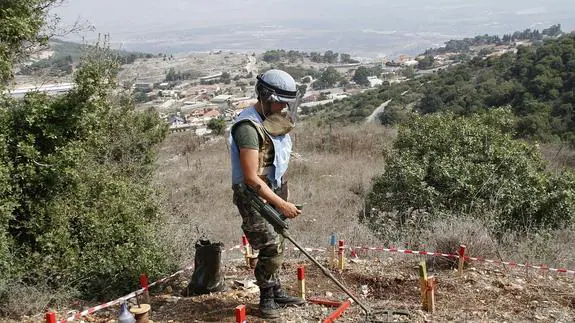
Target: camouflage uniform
<point>260,234</point>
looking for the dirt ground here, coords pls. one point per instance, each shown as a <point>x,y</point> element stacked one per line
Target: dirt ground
<point>485,293</point>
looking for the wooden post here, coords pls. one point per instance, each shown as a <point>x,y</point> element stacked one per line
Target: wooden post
<point>353,254</point>
<point>141,313</point>
<point>241,314</point>
<point>51,317</point>
<point>423,284</point>
<point>430,291</point>
<point>325,302</point>
<point>331,251</point>
<point>427,289</point>
<point>341,254</point>
<point>461,259</point>
<point>144,284</point>
<point>301,281</point>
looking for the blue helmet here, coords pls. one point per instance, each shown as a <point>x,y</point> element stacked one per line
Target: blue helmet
<point>276,86</point>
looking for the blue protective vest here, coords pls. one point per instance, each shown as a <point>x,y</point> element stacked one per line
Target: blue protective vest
<point>282,150</point>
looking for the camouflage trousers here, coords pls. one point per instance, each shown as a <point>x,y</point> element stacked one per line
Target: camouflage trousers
<point>262,237</point>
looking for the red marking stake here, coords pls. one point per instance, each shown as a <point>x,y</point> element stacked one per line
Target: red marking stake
<point>51,317</point>
<point>241,314</point>
<point>301,281</point>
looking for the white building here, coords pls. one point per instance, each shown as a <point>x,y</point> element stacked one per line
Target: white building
<point>374,81</point>
<point>51,89</point>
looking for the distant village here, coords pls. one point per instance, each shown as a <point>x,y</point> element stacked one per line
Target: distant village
<point>196,103</point>
<point>189,103</point>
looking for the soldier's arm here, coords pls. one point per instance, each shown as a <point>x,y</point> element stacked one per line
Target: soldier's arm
<point>249,163</point>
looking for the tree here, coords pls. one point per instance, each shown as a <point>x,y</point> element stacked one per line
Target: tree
<point>408,71</point>
<point>360,76</point>
<point>21,25</point>
<point>302,89</point>
<point>84,211</point>
<point>225,78</point>
<point>76,204</point>
<point>171,75</point>
<point>217,125</point>
<point>426,62</point>
<point>444,164</point>
<point>329,78</point>
<point>330,57</point>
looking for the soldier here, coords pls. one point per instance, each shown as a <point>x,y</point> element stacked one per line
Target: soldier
<point>260,152</point>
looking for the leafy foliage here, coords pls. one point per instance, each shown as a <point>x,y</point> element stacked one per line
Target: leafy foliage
<point>21,23</point>
<point>447,164</point>
<point>362,73</point>
<point>217,125</point>
<point>173,75</point>
<point>293,56</point>
<point>464,45</point>
<point>537,83</point>
<point>328,78</point>
<point>77,204</point>
<point>56,65</point>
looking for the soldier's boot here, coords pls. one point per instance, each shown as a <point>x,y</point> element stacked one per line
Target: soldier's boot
<point>283,299</point>
<point>269,309</point>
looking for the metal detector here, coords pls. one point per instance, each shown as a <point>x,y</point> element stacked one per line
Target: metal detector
<point>277,220</point>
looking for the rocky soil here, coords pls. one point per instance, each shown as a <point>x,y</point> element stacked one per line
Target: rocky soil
<point>485,293</point>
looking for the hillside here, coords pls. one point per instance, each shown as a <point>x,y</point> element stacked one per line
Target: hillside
<point>96,191</point>
<point>58,58</point>
<point>537,82</point>
<point>331,175</point>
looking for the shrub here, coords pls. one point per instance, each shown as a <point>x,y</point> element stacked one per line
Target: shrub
<point>77,204</point>
<point>443,164</point>
<point>217,125</point>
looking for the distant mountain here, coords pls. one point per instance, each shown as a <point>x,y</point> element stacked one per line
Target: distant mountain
<point>65,55</point>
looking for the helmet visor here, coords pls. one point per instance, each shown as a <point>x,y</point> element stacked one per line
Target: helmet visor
<point>291,107</point>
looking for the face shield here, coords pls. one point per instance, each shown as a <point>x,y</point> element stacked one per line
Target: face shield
<point>292,104</point>
<point>282,122</point>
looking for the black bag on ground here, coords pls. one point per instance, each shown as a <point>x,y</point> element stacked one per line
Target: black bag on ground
<point>207,277</point>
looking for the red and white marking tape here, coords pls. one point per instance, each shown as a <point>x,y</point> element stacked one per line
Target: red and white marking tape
<point>406,251</point>
<point>353,250</point>
<point>133,294</point>
<point>453,256</point>
<point>527,266</point>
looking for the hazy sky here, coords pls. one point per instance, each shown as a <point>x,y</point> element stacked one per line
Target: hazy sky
<point>125,15</point>
<point>140,20</point>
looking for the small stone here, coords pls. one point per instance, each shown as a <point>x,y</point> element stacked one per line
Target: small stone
<point>540,317</point>
<point>514,287</point>
<point>172,299</point>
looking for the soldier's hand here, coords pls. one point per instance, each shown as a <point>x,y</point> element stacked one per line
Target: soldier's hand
<point>289,210</point>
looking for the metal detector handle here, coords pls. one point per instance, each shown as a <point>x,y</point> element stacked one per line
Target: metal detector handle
<point>273,216</point>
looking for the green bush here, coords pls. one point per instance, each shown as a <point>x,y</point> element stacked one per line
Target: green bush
<point>217,125</point>
<point>77,203</point>
<point>444,164</point>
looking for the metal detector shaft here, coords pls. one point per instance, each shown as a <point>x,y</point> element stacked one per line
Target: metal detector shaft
<point>277,220</point>
<point>285,234</point>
